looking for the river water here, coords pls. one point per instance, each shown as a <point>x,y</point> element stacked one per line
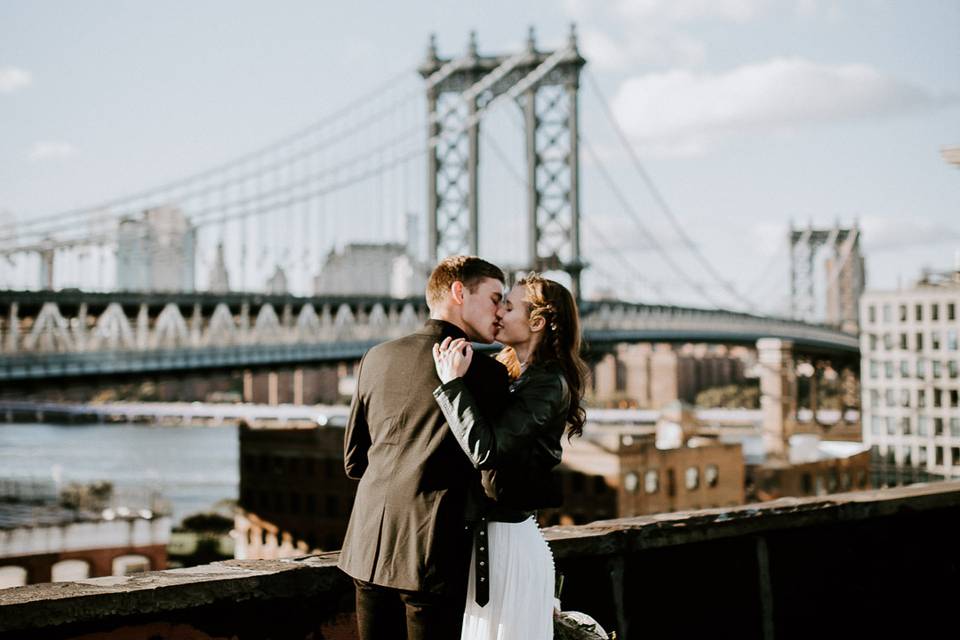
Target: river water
<point>192,467</point>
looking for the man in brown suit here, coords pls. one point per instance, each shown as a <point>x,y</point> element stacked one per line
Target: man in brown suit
<point>407,546</point>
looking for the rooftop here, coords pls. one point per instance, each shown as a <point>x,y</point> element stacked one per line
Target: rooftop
<point>791,568</point>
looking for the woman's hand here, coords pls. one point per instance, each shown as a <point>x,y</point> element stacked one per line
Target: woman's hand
<point>452,358</point>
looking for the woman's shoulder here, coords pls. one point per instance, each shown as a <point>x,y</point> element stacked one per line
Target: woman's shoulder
<point>545,377</point>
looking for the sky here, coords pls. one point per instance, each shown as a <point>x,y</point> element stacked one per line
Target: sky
<point>746,115</point>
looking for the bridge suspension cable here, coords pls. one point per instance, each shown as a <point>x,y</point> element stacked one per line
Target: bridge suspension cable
<point>660,200</point>
<point>635,217</point>
<point>631,268</point>
<point>289,140</point>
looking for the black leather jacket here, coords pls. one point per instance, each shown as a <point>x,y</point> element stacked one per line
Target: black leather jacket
<point>517,449</point>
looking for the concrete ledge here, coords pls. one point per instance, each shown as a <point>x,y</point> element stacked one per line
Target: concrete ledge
<point>159,592</point>
<point>625,572</point>
<point>630,535</point>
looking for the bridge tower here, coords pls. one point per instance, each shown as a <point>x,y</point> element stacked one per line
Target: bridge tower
<point>845,274</point>
<point>545,85</point>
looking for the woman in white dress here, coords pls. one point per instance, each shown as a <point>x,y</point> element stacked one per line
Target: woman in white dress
<point>511,587</point>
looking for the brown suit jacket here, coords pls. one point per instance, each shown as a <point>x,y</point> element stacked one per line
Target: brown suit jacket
<point>407,529</point>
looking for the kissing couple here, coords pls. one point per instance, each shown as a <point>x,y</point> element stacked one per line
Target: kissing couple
<point>453,450</point>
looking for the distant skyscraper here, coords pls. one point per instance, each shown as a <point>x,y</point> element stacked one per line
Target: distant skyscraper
<point>156,252</point>
<point>910,349</point>
<point>278,281</point>
<point>219,281</point>
<point>373,270</point>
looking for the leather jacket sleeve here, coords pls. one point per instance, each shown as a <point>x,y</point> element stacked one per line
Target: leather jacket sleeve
<point>528,430</point>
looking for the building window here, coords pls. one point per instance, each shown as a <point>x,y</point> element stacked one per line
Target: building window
<point>952,369</point>
<point>888,341</point>
<point>922,456</point>
<point>691,478</point>
<point>903,313</point>
<point>919,342</point>
<point>906,456</point>
<point>887,313</point>
<point>919,311</point>
<point>712,475</point>
<point>832,481</point>
<point>951,311</point>
<point>888,370</point>
<point>872,339</point>
<point>936,398</point>
<point>129,565</point>
<point>904,397</point>
<point>954,398</point>
<point>806,484</point>
<point>651,481</point>
<point>70,570</point>
<point>874,369</point>
<point>12,576</point>
<point>671,483</point>
<point>935,340</point>
<point>821,487</point>
<point>872,313</point>
<point>937,369</point>
<point>875,425</point>
<point>938,454</point>
<point>905,425</point>
<point>891,426</point>
<point>935,311</point>
<point>922,425</point>
<point>890,400</point>
<point>955,427</point>
<point>921,368</point>
<point>938,426</point>
<point>955,456</point>
<point>903,342</point>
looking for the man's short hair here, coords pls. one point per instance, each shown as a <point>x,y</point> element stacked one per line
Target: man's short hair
<point>469,270</point>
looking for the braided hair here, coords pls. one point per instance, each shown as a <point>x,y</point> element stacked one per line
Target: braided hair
<point>561,340</point>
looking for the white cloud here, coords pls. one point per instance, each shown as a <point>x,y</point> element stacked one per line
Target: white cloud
<point>643,47</point>
<point>682,111</point>
<point>51,150</point>
<point>895,233</point>
<point>646,11</point>
<point>688,10</point>
<point>13,79</point>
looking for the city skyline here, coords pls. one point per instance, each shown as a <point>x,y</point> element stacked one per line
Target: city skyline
<point>747,115</point>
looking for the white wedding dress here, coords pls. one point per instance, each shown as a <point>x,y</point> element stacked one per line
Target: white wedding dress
<point>521,586</point>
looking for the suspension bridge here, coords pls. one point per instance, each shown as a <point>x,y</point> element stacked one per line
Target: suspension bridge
<point>473,153</point>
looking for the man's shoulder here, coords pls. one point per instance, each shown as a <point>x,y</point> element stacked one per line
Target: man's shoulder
<point>399,346</point>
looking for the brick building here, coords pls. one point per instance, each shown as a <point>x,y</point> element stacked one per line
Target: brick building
<point>293,492</point>
<point>52,544</point>
<point>654,375</point>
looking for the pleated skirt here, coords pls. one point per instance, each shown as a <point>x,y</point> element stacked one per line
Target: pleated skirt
<point>521,586</point>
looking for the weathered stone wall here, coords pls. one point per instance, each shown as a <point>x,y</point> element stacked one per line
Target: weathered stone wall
<point>873,564</point>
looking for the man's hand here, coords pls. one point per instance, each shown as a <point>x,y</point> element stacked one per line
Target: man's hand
<point>452,358</point>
